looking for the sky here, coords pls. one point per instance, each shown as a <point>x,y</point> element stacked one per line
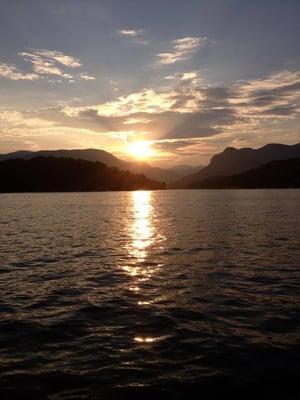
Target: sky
<point>177,81</point>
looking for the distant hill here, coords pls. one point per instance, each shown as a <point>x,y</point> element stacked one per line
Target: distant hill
<point>50,174</point>
<point>163,175</point>
<point>275,174</point>
<point>232,161</point>
<point>160,174</point>
<point>184,170</point>
<point>85,154</point>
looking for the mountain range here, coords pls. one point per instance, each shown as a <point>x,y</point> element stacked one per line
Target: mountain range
<point>275,174</point>
<point>50,174</point>
<point>237,161</point>
<point>225,169</point>
<point>138,167</point>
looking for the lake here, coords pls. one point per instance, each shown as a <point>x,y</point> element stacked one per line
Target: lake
<point>149,295</point>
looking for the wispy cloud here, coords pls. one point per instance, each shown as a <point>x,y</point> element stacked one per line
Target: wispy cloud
<point>277,94</point>
<point>87,77</point>
<point>12,72</point>
<point>48,62</point>
<point>130,32</point>
<point>44,63</point>
<point>192,77</point>
<point>55,56</point>
<point>135,35</point>
<point>182,49</point>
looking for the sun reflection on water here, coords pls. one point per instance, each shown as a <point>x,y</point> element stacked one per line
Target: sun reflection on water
<point>142,261</point>
<point>143,235</point>
<point>142,230</point>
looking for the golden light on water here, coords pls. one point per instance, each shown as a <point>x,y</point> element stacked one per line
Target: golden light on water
<point>140,267</point>
<point>150,339</point>
<point>140,150</point>
<point>143,235</point>
<point>142,229</point>
<point>144,339</point>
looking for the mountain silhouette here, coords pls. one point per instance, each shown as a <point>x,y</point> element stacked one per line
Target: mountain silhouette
<point>50,174</point>
<point>275,174</point>
<point>184,170</point>
<point>138,167</point>
<point>233,161</point>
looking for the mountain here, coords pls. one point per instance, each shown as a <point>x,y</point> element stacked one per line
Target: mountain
<point>163,175</point>
<point>184,170</point>
<point>86,154</point>
<point>232,161</point>
<point>275,174</point>
<point>160,174</point>
<point>50,174</point>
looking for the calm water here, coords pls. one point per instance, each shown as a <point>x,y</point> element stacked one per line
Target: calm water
<point>149,295</point>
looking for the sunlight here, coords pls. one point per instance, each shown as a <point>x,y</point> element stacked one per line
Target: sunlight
<point>144,339</point>
<point>143,235</point>
<point>142,229</point>
<point>140,150</point>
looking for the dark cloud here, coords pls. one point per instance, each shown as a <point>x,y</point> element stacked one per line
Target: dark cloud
<point>289,110</point>
<point>202,124</point>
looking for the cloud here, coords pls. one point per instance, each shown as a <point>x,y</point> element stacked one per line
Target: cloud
<point>182,49</point>
<point>185,76</point>
<point>189,76</point>
<point>191,110</point>
<point>187,116</point>
<point>147,100</point>
<point>87,77</point>
<point>17,124</point>
<point>30,130</point>
<point>56,56</point>
<point>138,120</point>
<point>13,73</point>
<point>277,94</point>
<point>188,109</point>
<point>280,80</point>
<point>130,32</point>
<point>135,35</point>
<point>45,63</point>
<point>184,97</point>
<point>182,146</point>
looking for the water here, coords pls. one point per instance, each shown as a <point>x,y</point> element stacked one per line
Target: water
<point>149,295</point>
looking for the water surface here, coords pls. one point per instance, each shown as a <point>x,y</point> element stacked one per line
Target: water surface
<point>150,294</point>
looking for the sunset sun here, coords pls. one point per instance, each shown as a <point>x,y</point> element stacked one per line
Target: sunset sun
<point>140,150</point>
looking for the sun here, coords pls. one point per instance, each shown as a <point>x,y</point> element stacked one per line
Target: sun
<point>140,150</point>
